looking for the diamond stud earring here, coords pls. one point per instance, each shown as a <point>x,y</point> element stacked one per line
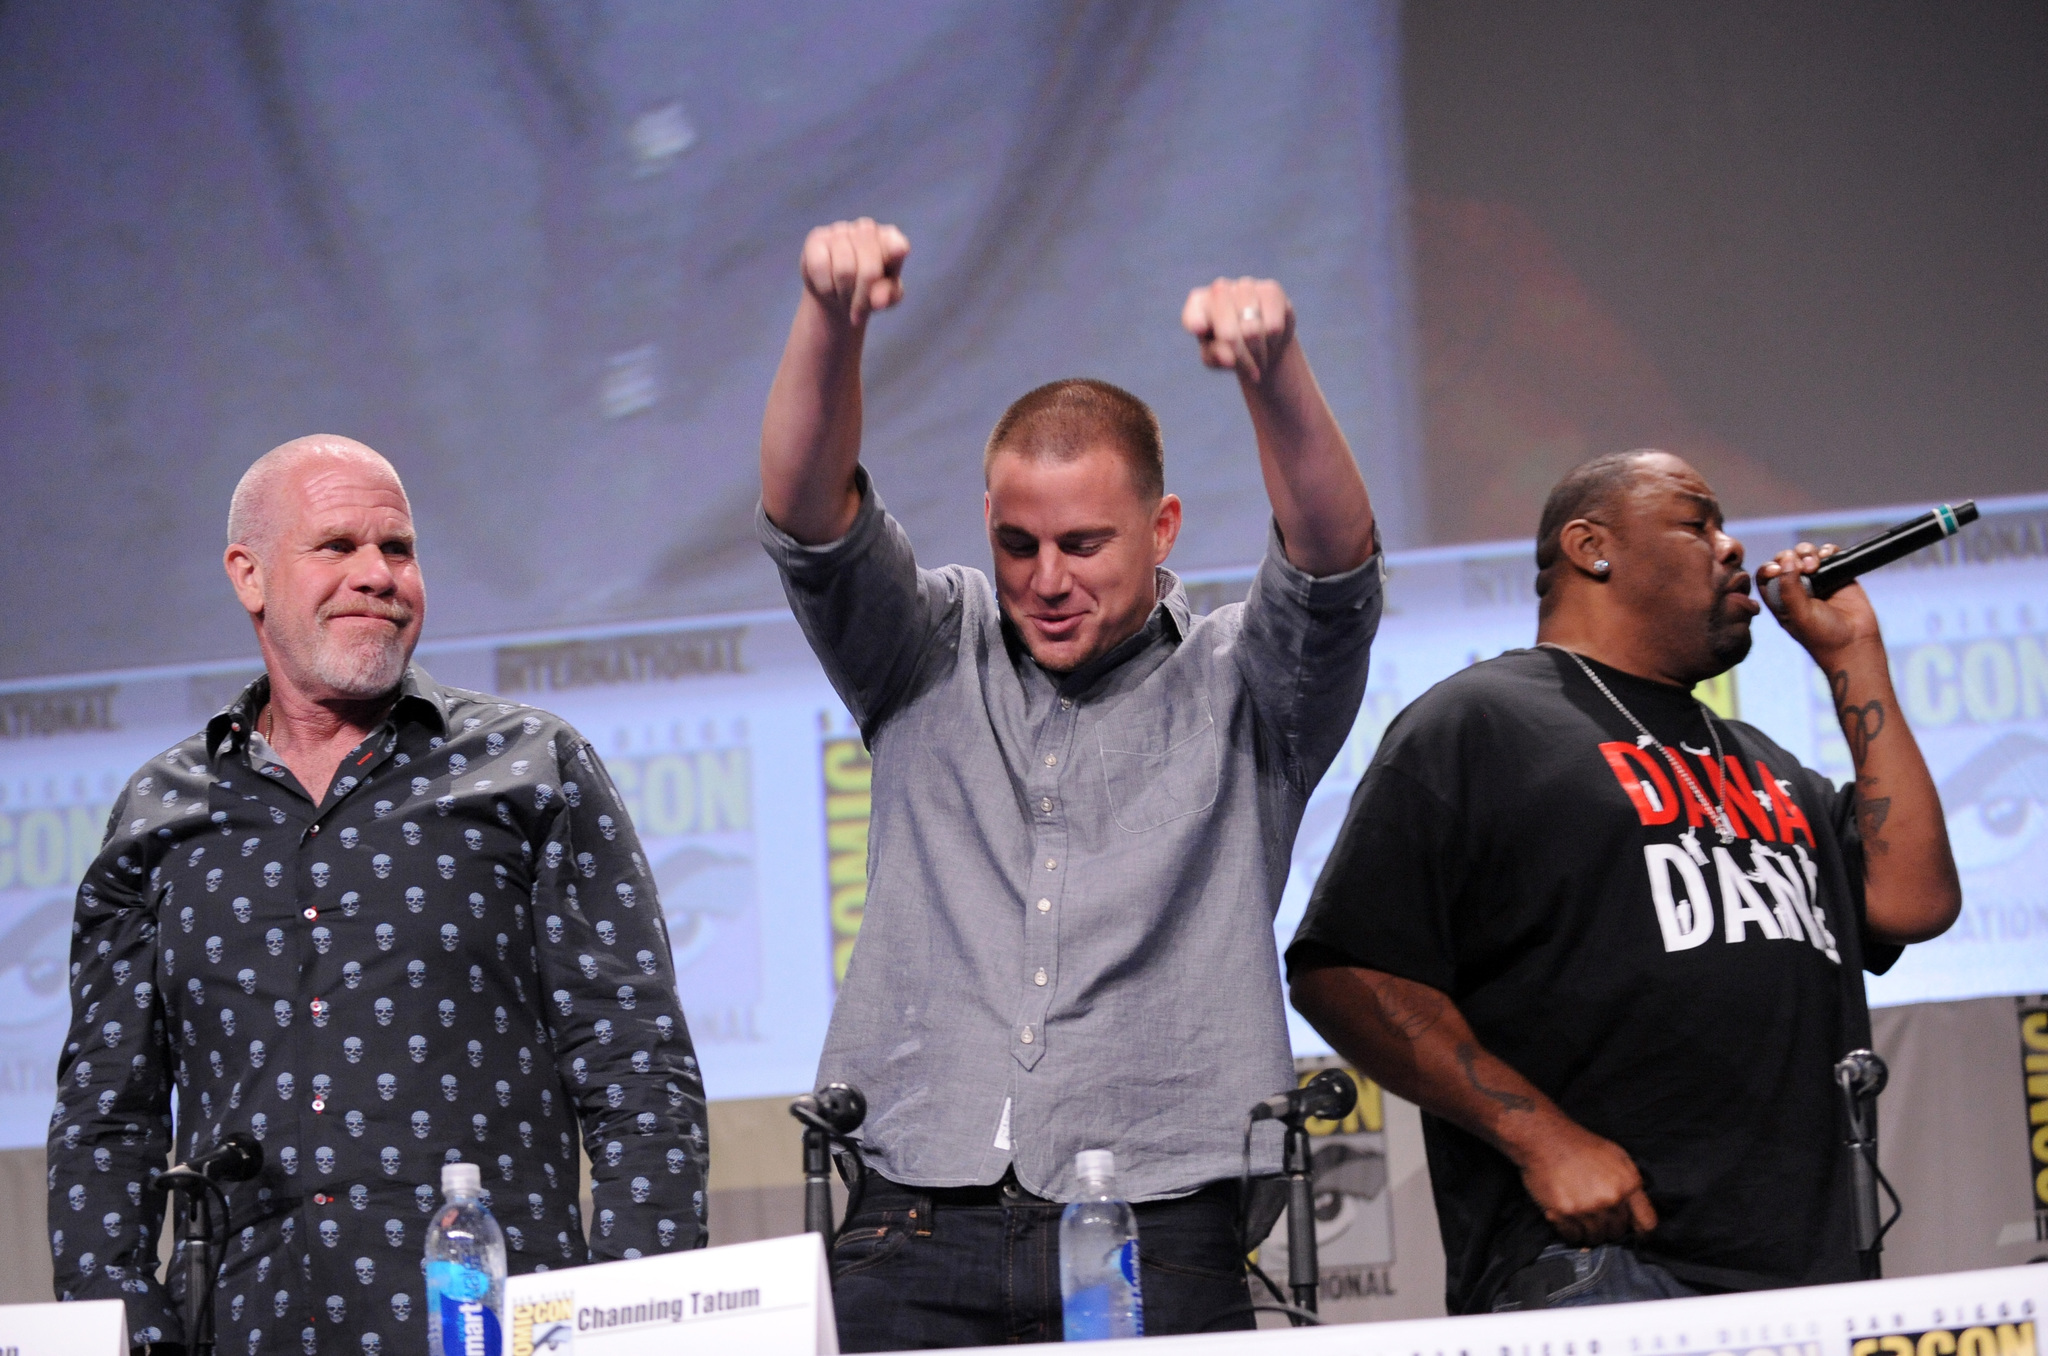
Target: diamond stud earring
<point>1600,567</point>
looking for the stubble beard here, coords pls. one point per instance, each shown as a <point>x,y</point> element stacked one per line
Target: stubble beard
<point>364,669</point>
<point>1727,643</point>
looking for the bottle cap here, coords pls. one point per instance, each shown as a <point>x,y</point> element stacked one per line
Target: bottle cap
<point>465,1179</point>
<point>1095,1165</point>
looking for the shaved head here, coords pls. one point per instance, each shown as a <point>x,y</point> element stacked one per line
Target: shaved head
<point>262,499</point>
<point>321,554</point>
<point>1588,490</point>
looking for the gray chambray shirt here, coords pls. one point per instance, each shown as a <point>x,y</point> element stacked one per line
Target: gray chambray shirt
<point>1068,941</point>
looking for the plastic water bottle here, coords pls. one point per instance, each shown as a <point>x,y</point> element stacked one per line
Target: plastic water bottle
<point>1099,1256</point>
<point>465,1268</point>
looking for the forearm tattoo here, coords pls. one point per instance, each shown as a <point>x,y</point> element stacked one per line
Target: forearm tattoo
<point>1861,725</point>
<point>1468,1056</point>
<point>1408,1014</point>
<point>1871,813</point>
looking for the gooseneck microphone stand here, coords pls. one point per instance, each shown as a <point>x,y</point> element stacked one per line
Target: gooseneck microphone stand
<point>203,1236</point>
<point>1330,1096</point>
<point>829,1116</point>
<point>1861,1076</point>
<point>1304,1270</point>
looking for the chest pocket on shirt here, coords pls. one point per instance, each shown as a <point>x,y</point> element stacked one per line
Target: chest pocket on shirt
<point>1160,765</point>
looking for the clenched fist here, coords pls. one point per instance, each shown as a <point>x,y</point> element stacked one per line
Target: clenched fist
<point>1244,324</point>
<point>855,268</point>
<point>1588,1188</point>
<point>1825,626</point>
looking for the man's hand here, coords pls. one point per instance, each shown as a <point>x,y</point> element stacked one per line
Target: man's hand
<point>1588,1188</point>
<point>1412,1040</point>
<point>1246,325</point>
<point>1824,626</point>
<point>1243,324</point>
<point>854,268</point>
<point>810,433</point>
<point>1910,887</point>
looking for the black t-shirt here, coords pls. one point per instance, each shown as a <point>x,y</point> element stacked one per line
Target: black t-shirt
<point>1514,847</point>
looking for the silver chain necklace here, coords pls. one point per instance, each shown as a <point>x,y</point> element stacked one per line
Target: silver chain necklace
<point>1718,813</point>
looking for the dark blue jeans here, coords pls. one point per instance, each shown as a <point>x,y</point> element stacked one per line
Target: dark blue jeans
<point>1564,1277</point>
<point>980,1266</point>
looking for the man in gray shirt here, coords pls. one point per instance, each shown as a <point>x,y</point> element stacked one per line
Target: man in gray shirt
<point>1085,799</point>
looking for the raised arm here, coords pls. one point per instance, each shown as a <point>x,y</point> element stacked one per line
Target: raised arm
<point>1910,889</point>
<point>1318,495</point>
<point>810,436</point>
<point>1413,1041</point>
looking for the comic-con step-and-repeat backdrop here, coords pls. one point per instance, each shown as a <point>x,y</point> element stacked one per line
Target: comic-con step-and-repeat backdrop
<point>749,785</point>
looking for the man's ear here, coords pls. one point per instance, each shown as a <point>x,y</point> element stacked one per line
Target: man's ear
<point>1584,543</point>
<point>245,572</point>
<point>1165,528</point>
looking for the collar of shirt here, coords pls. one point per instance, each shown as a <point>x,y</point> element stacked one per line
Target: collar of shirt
<point>1169,622</point>
<point>419,698</point>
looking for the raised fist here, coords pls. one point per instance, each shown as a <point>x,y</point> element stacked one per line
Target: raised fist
<point>855,267</point>
<point>1244,324</point>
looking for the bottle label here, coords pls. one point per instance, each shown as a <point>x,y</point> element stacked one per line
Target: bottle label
<point>1127,1263</point>
<point>469,1327</point>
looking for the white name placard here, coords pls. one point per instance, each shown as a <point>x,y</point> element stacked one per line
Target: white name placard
<point>772,1297</point>
<point>1969,1313</point>
<point>80,1328</point>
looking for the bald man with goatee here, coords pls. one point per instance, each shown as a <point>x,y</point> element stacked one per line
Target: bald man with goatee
<point>379,925</point>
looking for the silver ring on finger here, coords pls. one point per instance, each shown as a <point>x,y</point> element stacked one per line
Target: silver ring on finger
<point>1249,314</point>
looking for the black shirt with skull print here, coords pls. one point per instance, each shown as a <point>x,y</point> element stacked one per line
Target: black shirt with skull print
<point>456,955</point>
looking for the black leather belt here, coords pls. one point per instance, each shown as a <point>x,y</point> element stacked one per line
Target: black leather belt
<point>1006,1192</point>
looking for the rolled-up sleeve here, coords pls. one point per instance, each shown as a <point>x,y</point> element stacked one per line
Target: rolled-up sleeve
<point>867,609</point>
<point>622,1045</point>
<point>1304,649</point>
<point>111,1130</point>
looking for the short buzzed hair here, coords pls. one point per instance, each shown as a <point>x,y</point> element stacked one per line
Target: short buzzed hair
<point>252,517</point>
<point>1586,490</point>
<point>1062,420</point>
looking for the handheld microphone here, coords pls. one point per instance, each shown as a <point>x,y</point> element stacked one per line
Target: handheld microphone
<point>1902,539</point>
<point>838,1107</point>
<point>1330,1096</point>
<point>237,1158</point>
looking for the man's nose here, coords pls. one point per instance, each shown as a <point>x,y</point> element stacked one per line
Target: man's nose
<point>1049,572</point>
<point>1731,549</point>
<point>370,572</point>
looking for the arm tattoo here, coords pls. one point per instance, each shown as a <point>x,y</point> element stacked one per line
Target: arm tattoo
<point>1861,725</point>
<point>1871,813</point>
<point>1409,1014</point>
<point>1468,1055</point>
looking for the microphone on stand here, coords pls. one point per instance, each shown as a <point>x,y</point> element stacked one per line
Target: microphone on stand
<point>1861,1076</point>
<point>202,1238</point>
<point>1330,1096</point>
<point>839,1105</point>
<point>1900,540</point>
<point>237,1158</point>
<point>828,1116</point>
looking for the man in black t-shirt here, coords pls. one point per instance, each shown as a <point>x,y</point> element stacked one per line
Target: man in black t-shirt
<point>1612,945</point>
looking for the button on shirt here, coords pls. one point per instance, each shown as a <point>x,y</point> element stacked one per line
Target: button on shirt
<point>1067,942</point>
<point>457,954</point>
